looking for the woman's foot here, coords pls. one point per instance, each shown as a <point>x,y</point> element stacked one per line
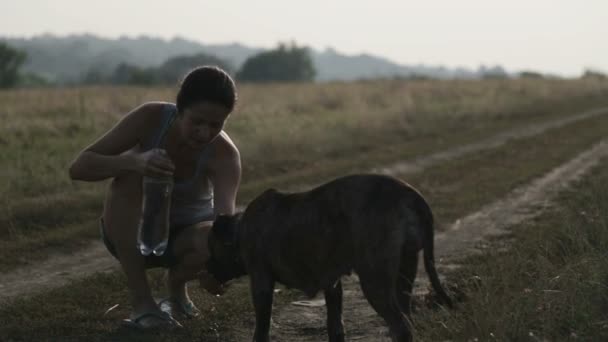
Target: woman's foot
<point>184,307</point>
<point>178,300</point>
<point>152,320</point>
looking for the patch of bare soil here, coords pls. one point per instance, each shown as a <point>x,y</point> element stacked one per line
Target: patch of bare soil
<point>55,272</point>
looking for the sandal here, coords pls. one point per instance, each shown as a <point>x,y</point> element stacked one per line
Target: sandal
<point>170,306</point>
<point>151,320</point>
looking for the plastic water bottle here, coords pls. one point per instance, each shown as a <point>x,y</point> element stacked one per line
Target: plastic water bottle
<point>153,230</point>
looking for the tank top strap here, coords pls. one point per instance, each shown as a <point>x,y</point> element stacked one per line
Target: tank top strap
<point>169,114</point>
<point>169,111</point>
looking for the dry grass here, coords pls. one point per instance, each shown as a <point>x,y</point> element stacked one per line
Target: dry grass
<point>549,285</point>
<point>76,312</point>
<point>281,125</point>
<point>287,133</point>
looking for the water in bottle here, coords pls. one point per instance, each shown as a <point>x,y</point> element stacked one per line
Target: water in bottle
<point>153,230</point>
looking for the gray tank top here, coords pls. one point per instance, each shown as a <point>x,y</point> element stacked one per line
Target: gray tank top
<point>192,199</point>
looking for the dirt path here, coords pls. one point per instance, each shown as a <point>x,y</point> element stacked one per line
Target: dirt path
<point>305,321</point>
<point>421,163</point>
<point>61,269</point>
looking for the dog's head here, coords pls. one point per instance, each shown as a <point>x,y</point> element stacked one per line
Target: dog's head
<point>225,262</point>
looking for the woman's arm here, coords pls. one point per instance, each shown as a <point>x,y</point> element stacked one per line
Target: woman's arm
<point>92,166</point>
<point>225,176</point>
<point>105,158</point>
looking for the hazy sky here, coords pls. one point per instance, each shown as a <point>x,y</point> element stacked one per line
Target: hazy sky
<point>559,36</point>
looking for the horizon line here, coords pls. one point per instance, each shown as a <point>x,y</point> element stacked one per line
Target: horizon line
<point>318,50</point>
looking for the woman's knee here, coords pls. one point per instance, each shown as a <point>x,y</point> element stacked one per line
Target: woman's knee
<point>193,239</point>
<point>122,210</point>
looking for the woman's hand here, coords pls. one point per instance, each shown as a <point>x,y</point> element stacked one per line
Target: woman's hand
<point>155,163</point>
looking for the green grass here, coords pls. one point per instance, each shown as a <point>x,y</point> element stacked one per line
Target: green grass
<point>454,189</point>
<point>76,313</point>
<point>464,185</point>
<point>550,285</point>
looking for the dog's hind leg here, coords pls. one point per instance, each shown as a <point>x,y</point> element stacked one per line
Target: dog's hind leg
<point>379,287</point>
<point>333,300</point>
<point>262,289</point>
<point>408,268</point>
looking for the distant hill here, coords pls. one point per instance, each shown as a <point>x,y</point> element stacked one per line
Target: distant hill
<point>67,59</point>
<point>332,65</point>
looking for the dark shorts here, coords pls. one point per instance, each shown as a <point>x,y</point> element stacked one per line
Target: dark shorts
<point>167,260</point>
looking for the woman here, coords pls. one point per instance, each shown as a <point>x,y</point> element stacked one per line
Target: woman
<point>185,141</point>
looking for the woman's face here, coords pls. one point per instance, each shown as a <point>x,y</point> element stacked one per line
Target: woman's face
<point>201,122</point>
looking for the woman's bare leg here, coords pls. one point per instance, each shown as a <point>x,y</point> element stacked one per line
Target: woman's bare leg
<point>190,248</point>
<point>122,212</point>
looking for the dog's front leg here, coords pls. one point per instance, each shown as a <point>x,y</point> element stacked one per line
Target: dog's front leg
<point>262,288</point>
<point>333,301</point>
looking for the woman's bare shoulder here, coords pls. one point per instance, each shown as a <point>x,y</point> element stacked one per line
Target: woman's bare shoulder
<point>148,116</point>
<point>224,149</point>
<point>224,145</point>
<point>151,109</point>
<point>225,162</point>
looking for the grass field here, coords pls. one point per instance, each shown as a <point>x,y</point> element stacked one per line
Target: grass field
<point>549,285</point>
<point>302,134</point>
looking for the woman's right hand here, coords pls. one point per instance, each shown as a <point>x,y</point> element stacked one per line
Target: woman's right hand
<point>155,163</point>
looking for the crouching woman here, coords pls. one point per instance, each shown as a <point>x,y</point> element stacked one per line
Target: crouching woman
<point>184,141</point>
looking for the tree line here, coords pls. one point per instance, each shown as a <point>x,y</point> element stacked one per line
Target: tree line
<point>286,63</point>
<point>10,62</point>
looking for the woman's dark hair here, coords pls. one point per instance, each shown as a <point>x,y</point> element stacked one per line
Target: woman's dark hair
<point>206,83</point>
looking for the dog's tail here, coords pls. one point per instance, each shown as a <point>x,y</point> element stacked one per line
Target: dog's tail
<point>428,237</point>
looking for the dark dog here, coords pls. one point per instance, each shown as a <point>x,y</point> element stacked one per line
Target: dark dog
<point>372,224</point>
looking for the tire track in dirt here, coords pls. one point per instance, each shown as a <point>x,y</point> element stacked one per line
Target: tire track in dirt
<point>306,323</point>
<point>421,163</point>
<point>62,269</point>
